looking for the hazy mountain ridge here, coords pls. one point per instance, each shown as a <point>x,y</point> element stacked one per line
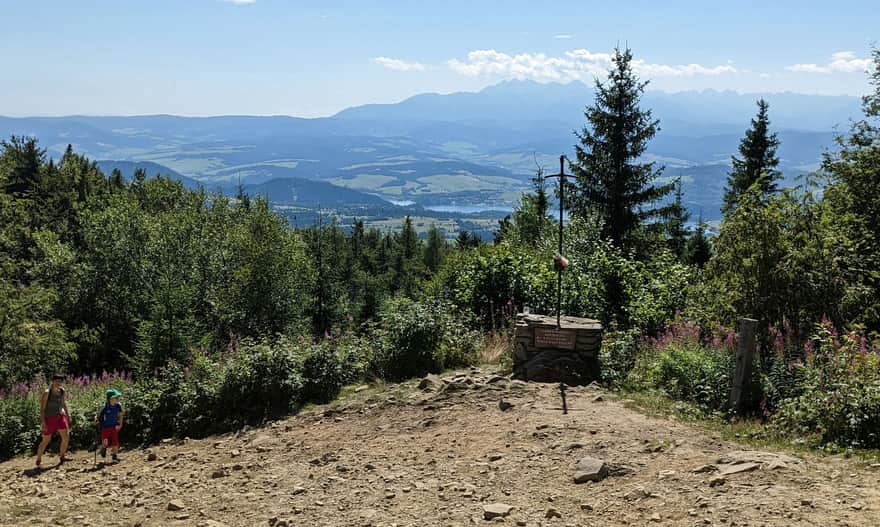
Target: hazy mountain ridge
<point>463,148</point>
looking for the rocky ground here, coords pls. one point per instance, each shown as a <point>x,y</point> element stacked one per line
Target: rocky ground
<point>467,449</point>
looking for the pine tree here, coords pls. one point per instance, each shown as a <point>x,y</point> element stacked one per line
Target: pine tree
<point>409,240</point>
<point>699,250</point>
<point>757,162</point>
<point>21,162</point>
<point>611,180</point>
<point>116,181</point>
<point>406,265</point>
<point>505,229</point>
<point>676,223</point>
<point>467,240</point>
<point>531,217</point>
<point>435,249</point>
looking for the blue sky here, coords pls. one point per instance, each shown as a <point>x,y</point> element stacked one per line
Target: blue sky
<point>211,57</point>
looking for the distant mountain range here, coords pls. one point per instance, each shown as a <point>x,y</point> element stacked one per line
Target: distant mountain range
<point>457,149</point>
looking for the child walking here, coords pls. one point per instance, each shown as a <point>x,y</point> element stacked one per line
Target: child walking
<point>110,421</point>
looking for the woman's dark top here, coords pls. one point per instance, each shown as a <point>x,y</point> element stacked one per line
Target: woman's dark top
<point>54,402</point>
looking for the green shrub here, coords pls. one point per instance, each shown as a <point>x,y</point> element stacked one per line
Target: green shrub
<point>685,367</point>
<point>839,400</point>
<point>490,284</point>
<point>19,424</point>
<point>199,414</point>
<point>697,374</point>
<point>618,354</point>
<point>328,366</point>
<point>413,338</point>
<point>20,413</point>
<point>601,282</point>
<point>263,380</point>
<point>152,406</point>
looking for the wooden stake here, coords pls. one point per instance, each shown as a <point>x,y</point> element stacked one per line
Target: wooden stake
<point>744,352</point>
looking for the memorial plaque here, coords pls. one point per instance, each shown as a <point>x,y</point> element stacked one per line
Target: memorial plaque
<point>555,338</point>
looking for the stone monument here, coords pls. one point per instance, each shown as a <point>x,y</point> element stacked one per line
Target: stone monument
<point>547,352</point>
<point>564,350</point>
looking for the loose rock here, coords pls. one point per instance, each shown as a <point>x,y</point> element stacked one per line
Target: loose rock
<point>496,510</point>
<point>590,469</point>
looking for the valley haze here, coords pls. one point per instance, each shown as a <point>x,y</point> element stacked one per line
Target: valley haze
<point>456,153</point>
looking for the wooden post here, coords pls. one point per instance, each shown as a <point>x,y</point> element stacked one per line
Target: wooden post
<point>744,352</point>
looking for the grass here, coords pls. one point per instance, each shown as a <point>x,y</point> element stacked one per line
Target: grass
<point>497,348</point>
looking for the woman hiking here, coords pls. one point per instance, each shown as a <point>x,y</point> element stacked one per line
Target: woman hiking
<point>54,418</point>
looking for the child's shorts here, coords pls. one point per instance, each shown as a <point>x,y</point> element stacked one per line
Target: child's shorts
<point>54,424</point>
<point>110,436</point>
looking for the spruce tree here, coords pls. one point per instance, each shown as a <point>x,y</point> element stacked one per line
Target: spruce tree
<point>757,161</point>
<point>467,240</point>
<point>435,249</point>
<point>531,218</point>
<point>611,180</point>
<point>676,223</point>
<point>407,266</point>
<point>21,163</point>
<point>699,250</point>
<point>505,229</point>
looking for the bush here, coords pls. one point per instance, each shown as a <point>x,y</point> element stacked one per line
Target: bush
<point>19,424</point>
<point>262,381</point>
<point>490,284</point>
<point>685,366</point>
<point>839,400</point>
<point>198,413</point>
<point>618,354</point>
<point>601,282</point>
<point>211,395</point>
<point>413,338</point>
<point>697,374</point>
<point>330,365</point>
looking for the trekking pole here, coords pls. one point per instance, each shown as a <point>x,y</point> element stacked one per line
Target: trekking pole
<point>98,444</point>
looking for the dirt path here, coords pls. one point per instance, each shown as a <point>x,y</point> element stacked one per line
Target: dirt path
<point>405,457</point>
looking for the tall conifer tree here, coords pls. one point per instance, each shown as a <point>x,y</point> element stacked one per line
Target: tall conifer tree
<point>612,182</point>
<point>676,224</point>
<point>757,161</point>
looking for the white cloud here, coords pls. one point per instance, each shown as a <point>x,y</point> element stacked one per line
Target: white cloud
<point>563,37</point>
<point>240,2</point>
<point>399,65</point>
<point>841,61</point>
<point>578,64</point>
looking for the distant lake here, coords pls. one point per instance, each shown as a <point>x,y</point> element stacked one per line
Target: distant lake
<point>469,209</point>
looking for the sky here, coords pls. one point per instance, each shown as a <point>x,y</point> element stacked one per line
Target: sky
<point>309,59</point>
